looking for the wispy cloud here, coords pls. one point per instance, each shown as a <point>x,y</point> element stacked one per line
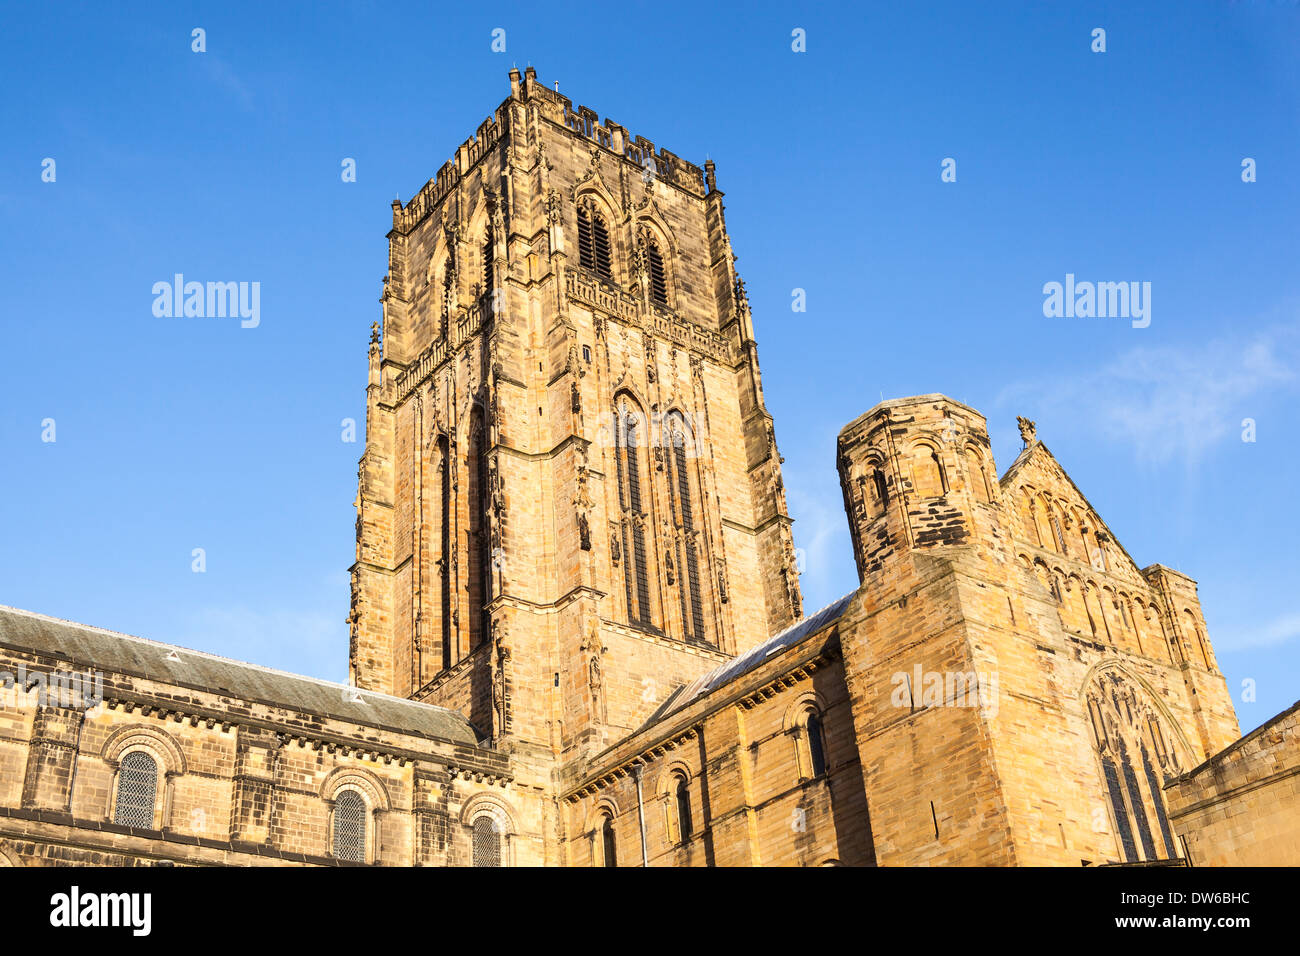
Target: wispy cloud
<point>1281,630</point>
<point>1172,401</point>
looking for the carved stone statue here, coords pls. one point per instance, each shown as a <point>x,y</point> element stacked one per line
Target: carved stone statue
<point>1028,430</point>
<point>595,675</point>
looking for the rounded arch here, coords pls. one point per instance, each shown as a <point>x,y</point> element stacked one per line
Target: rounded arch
<point>929,477</point>
<point>489,804</point>
<point>360,780</point>
<point>605,806</point>
<point>602,829</point>
<point>8,857</point>
<point>673,790</point>
<point>354,799</point>
<point>490,823</point>
<point>870,475</point>
<point>144,762</point>
<point>160,745</point>
<point>668,774</point>
<point>805,722</point>
<point>978,472</point>
<point>797,711</point>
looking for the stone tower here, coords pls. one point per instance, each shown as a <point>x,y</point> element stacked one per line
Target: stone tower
<point>1021,690</point>
<point>570,499</point>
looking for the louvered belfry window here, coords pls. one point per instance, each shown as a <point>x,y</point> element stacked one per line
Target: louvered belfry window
<point>350,827</point>
<point>489,266</point>
<point>487,842</point>
<point>594,250</point>
<point>137,789</point>
<point>658,276</point>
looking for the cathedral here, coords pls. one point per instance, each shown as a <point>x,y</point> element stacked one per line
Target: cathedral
<point>576,630</point>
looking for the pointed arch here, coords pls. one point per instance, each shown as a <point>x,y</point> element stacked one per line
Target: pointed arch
<point>1139,747</point>
<point>653,218</point>
<point>444,560</point>
<point>658,251</point>
<point>679,449</point>
<point>1041,524</point>
<point>479,543</point>
<point>596,249</point>
<point>631,443</point>
<point>1195,633</point>
<point>1028,518</point>
<point>977,474</point>
<point>929,479</point>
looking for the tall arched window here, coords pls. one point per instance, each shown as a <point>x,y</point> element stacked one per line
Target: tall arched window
<point>978,476</point>
<point>927,473</point>
<point>880,489</point>
<point>137,791</point>
<point>816,745</point>
<point>593,242</point>
<point>1135,759</point>
<point>1059,533</point>
<point>480,540</point>
<point>676,442</point>
<point>1041,524</point>
<point>636,573</point>
<point>608,843</point>
<point>658,275</point>
<point>1029,519</point>
<point>444,558</point>
<point>350,820</point>
<point>1195,633</point>
<point>682,796</point>
<point>487,841</point>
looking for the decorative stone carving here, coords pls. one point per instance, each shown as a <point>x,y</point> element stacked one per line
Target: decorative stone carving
<point>592,653</point>
<point>500,677</point>
<point>1028,430</point>
<point>740,295</point>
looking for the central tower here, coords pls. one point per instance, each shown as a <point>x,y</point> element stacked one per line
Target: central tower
<point>570,500</point>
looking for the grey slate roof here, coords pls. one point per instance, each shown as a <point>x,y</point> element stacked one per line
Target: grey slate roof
<point>108,651</point>
<point>755,656</point>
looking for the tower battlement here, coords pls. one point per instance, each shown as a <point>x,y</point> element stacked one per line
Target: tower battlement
<point>558,109</point>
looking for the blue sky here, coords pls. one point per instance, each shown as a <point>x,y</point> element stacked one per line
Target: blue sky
<point>175,434</point>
